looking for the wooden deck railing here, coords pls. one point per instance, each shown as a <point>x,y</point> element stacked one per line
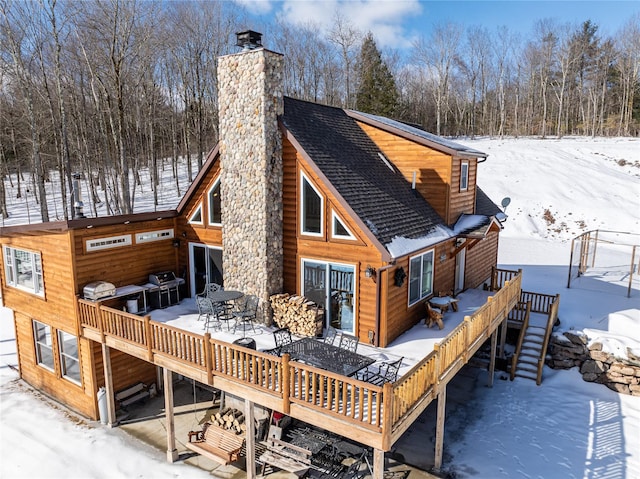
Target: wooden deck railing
<point>383,410</point>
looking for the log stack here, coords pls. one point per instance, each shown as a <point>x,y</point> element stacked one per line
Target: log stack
<point>302,316</point>
<point>229,418</point>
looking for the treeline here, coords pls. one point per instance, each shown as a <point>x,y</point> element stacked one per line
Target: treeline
<point>105,87</point>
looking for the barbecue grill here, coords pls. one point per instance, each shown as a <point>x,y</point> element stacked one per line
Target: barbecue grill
<point>163,289</point>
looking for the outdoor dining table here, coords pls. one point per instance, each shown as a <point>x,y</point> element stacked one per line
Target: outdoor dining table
<point>224,295</point>
<point>443,302</point>
<point>326,356</point>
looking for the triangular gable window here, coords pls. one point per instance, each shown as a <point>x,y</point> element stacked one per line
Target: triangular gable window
<point>215,205</point>
<point>339,230</point>
<point>312,208</point>
<point>196,217</point>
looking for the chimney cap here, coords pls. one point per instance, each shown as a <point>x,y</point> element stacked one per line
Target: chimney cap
<point>249,39</point>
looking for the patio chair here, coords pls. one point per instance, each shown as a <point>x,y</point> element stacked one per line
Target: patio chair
<point>210,288</point>
<point>205,308</point>
<point>434,316</point>
<point>332,336</point>
<point>282,337</point>
<point>246,315</point>
<point>223,313</point>
<point>387,373</point>
<point>349,342</point>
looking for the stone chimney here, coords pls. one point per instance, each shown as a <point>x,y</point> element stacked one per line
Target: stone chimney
<point>250,101</point>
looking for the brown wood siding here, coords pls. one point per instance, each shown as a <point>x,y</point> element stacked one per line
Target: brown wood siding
<point>433,168</point>
<point>79,398</point>
<point>479,260</point>
<point>126,264</point>
<point>357,252</point>
<point>462,201</point>
<point>58,304</point>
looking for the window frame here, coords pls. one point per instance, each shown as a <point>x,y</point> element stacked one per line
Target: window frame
<point>39,345</point>
<point>64,357</point>
<point>12,270</point>
<point>197,210</point>
<point>464,176</point>
<point>336,218</point>
<point>303,179</point>
<point>420,277</point>
<point>209,202</point>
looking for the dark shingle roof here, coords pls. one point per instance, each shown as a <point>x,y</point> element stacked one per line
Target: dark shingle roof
<point>383,199</point>
<point>484,204</point>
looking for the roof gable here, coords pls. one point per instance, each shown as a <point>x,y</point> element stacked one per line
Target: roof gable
<point>380,196</point>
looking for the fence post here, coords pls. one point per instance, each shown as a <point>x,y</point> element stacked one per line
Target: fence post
<point>149,337</point>
<point>387,415</point>
<point>286,384</point>
<point>633,260</point>
<point>208,357</point>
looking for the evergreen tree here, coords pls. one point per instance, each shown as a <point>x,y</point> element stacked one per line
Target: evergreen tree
<point>377,92</point>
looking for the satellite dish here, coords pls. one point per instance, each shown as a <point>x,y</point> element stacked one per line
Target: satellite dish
<point>505,202</point>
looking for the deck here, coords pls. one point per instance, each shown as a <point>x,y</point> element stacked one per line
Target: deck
<point>372,415</point>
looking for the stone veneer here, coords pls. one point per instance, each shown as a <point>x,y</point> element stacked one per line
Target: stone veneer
<point>250,101</point>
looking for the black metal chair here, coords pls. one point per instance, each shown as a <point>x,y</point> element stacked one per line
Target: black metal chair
<point>211,288</point>
<point>282,337</point>
<point>246,314</point>
<point>349,342</point>
<point>223,313</point>
<point>387,373</point>
<point>333,336</point>
<point>206,309</point>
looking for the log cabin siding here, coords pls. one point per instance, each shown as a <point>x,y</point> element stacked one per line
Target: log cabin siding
<point>80,398</point>
<point>433,168</point>
<point>462,201</point>
<point>123,265</point>
<point>479,260</point>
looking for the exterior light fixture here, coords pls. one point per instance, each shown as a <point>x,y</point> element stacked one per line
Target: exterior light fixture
<point>399,276</point>
<point>370,272</point>
<point>443,257</point>
<point>176,243</point>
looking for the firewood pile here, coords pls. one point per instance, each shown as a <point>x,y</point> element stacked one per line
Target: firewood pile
<point>229,418</point>
<point>301,316</point>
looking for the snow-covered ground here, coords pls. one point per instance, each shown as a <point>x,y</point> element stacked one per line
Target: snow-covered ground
<point>565,428</point>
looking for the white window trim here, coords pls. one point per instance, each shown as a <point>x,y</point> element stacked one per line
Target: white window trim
<point>421,296</point>
<point>334,234</point>
<point>304,178</point>
<point>195,212</point>
<point>11,271</point>
<point>209,217</point>
<point>157,235</point>
<point>39,361</point>
<point>97,244</point>
<point>464,178</point>
<point>64,357</point>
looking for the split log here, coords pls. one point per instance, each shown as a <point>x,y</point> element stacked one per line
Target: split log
<point>301,316</point>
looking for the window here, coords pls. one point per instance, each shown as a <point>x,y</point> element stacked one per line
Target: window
<point>312,205</point>
<point>23,270</point>
<point>464,175</point>
<point>154,236</point>
<point>44,344</point>
<point>107,243</point>
<point>420,277</point>
<point>339,229</point>
<point>196,217</point>
<point>215,205</point>
<point>68,345</point>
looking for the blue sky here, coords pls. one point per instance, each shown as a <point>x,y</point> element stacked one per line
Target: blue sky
<point>395,23</point>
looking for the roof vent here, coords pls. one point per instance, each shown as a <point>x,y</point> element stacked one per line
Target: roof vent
<point>249,40</point>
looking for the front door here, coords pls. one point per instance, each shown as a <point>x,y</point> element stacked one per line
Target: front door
<point>206,266</point>
<point>332,286</point>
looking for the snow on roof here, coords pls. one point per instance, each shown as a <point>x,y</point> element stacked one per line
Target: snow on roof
<point>401,246</point>
<point>468,223</point>
<point>423,134</point>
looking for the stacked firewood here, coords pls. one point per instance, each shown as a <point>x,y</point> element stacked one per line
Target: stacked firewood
<point>229,418</point>
<point>301,316</point>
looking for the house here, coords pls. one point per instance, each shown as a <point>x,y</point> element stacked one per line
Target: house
<point>366,216</point>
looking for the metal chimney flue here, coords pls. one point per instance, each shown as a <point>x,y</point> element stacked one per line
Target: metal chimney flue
<point>249,40</point>
<point>78,206</point>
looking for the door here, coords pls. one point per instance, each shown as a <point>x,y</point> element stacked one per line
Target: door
<point>206,266</point>
<point>460,261</point>
<point>332,286</point>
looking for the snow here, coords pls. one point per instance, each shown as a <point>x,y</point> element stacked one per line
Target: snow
<point>400,246</point>
<point>565,428</point>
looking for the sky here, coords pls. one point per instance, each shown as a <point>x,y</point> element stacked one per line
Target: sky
<point>564,428</point>
<point>396,23</point>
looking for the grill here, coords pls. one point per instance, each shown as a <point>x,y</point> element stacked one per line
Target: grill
<point>163,289</point>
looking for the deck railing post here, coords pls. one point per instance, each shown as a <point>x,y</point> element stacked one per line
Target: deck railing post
<point>208,357</point>
<point>149,337</point>
<point>100,325</point>
<point>286,384</point>
<point>387,414</point>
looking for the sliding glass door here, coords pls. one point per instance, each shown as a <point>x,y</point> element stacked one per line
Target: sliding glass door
<point>331,285</point>
<point>206,266</point>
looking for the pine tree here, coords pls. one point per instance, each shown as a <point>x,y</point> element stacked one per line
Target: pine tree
<point>377,92</point>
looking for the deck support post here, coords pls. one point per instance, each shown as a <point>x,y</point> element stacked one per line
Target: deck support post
<point>250,439</point>
<point>503,335</point>
<point>441,412</point>
<point>378,464</point>
<point>108,383</point>
<point>492,358</point>
<point>172,452</point>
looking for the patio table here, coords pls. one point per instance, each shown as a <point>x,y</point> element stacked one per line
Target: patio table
<point>326,356</point>
<point>224,295</point>
<point>443,302</point>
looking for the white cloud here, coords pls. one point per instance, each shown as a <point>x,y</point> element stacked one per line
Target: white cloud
<point>385,19</point>
<point>256,7</point>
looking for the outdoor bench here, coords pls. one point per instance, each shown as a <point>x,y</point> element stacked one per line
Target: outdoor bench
<point>286,456</point>
<point>134,393</point>
<point>216,443</point>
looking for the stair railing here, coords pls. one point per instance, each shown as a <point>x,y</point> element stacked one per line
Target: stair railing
<point>523,330</point>
<point>551,320</point>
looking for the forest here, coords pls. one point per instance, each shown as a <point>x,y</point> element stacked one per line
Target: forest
<point>102,88</point>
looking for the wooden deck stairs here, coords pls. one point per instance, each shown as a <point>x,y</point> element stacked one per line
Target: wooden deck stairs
<point>531,349</point>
